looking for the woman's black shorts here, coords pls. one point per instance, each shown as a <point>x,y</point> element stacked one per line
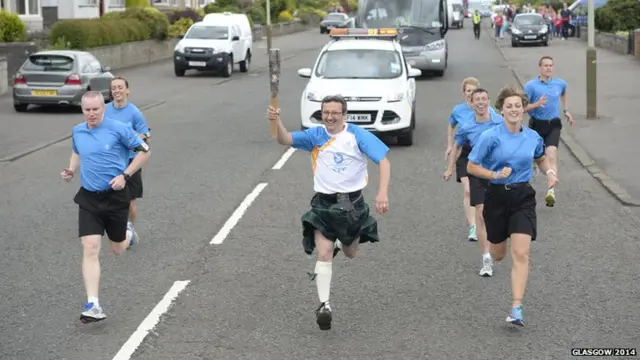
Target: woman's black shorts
<point>135,184</point>
<point>510,209</point>
<point>103,211</point>
<point>549,130</point>
<point>477,190</point>
<point>461,163</point>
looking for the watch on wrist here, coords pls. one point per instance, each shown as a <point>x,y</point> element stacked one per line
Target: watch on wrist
<point>126,177</point>
<point>565,111</point>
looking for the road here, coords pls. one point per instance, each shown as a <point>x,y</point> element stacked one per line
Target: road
<point>414,295</point>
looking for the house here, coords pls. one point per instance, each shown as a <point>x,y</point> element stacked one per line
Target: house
<point>176,4</point>
<point>54,10</point>
<point>30,11</point>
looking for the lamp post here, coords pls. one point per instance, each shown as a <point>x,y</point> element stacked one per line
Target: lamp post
<point>592,67</point>
<point>268,11</point>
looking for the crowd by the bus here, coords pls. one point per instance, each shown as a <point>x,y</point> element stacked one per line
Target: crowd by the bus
<point>558,18</point>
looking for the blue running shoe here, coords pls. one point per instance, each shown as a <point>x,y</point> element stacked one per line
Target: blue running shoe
<point>515,318</point>
<point>92,313</point>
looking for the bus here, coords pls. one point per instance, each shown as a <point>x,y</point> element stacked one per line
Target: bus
<point>430,14</point>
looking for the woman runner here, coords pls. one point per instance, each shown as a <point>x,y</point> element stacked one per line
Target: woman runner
<point>468,134</point>
<point>505,155</point>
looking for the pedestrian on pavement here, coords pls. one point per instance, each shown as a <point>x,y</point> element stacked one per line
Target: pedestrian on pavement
<point>101,150</point>
<point>548,95</point>
<point>565,15</point>
<point>504,155</point>
<point>499,21</point>
<point>468,134</point>
<point>123,110</point>
<point>476,24</point>
<point>339,216</point>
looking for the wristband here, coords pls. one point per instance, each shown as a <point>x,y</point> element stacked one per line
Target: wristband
<point>551,172</point>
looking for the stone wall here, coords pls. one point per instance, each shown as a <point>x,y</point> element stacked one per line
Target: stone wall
<point>623,45</point>
<point>128,54</point>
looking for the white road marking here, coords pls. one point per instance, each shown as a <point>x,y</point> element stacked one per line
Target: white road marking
<point>150,321</point>
<point>283,159</point>
<point>237,214</point>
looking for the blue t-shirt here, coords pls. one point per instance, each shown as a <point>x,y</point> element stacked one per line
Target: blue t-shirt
<point>498,147</point>
<point>469,132</point>
<point>553,89</point>
<point>460,113</point>
<point>129,115</point>
<point>104,151</point>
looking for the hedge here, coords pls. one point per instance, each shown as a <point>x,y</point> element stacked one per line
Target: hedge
<point>12,28</point>
<point>618,15</point>
<point>134,24</point>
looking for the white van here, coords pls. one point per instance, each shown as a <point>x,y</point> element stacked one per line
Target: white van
<point>246,32</point>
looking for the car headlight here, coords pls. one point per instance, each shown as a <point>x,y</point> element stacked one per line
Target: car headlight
<point>516,31</point>
<point>544,30</point>
<point>395,97</point>
<point>313,97</point>
<point>436,45</point>
<point>179,48</point>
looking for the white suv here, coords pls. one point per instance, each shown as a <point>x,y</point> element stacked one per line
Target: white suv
<point>367,67</point>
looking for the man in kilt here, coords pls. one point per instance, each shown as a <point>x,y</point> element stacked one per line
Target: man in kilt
<point>339,217</point>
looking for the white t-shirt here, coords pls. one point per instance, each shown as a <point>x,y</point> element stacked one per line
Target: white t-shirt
<point>338,161</point>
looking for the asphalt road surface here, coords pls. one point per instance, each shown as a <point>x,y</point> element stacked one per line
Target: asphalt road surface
<point>414,295</point>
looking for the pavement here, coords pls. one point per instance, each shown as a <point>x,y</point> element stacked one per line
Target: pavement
<point>414,295</point>
<point>605,146</point>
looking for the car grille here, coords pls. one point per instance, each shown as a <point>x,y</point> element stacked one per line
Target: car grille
<point>198,51</point>
<point>386,116</point>
<point>362,99</point>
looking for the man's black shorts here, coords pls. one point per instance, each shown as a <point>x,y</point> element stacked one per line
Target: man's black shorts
<point>135,184</point>
<point>461,163</point>
<point>549,130</point>
<point>103,211</point>
<point>510,209</point>
<point>477,190</point>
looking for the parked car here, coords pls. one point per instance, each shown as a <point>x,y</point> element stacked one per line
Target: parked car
<point>336,20</point>
<point>59,78</point>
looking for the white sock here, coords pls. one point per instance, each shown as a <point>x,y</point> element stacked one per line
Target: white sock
<point>551,191</point>
<point>338,244</point>
<point>486,256</point>
<point>94,300</point>
<point>323,280</point>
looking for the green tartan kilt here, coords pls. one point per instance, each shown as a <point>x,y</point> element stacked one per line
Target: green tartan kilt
<point>335,223</point>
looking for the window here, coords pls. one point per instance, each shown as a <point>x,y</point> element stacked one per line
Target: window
<point>208,32</point>
<point>88,3</point>
<point>116,3</point>
<point>44,63</point>
<point>359,64</point>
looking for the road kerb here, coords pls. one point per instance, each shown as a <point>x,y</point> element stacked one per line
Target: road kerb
<point>581,154</point>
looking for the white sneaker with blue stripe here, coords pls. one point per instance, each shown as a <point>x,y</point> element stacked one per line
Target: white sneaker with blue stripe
<point>92,313</point>
<point>134,235</point>
<point>516,317</point>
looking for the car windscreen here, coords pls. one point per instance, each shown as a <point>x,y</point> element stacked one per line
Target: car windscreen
<point>359,64</point>
<point>48,63</point>
<point>418,36</point>
<point>335,17</point>
<point>526,20</point>
<point>208,33</point>
<point>456,7</point>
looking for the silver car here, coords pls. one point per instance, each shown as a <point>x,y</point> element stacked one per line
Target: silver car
<point>59,78</point>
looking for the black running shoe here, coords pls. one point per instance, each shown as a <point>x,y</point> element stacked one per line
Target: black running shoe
<point>323,316</point>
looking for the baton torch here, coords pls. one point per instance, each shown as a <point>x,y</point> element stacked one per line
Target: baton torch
<point>274,79</point>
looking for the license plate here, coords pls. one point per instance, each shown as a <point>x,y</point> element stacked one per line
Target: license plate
<point>197,63</point>
<point>44,92</point>
<point>358,118</point>
<point>530,37</point>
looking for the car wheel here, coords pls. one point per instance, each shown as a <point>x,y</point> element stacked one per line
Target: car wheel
<point>244,65</point>
<point>546,43</point>
<point>439,73</point>
<point>228,69</point>
<point>406,139</point>
<point>179,72</point>
<point>514,44</point>
<point>20,107</point>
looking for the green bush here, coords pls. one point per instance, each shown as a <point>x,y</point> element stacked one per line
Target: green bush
<point>136,4</point>
<point>81,34</point>
<point>285,16</point>
<point>618,15</point>
<point>311,15</point>
<point>180,27</point>
<point>12,28</point>
<point>155,21</point>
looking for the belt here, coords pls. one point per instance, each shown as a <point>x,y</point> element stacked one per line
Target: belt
<point>334,197</point>
<point>99,192</point>
<point>548,120</point>
<point>509,187</point>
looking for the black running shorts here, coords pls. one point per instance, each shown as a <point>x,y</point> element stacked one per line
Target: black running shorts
<point>549,130</point>
<point>461,163</point>
<point>135,184</point>
<point>477,190</point>
<point>510,209</point>
<point>103,211</point>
